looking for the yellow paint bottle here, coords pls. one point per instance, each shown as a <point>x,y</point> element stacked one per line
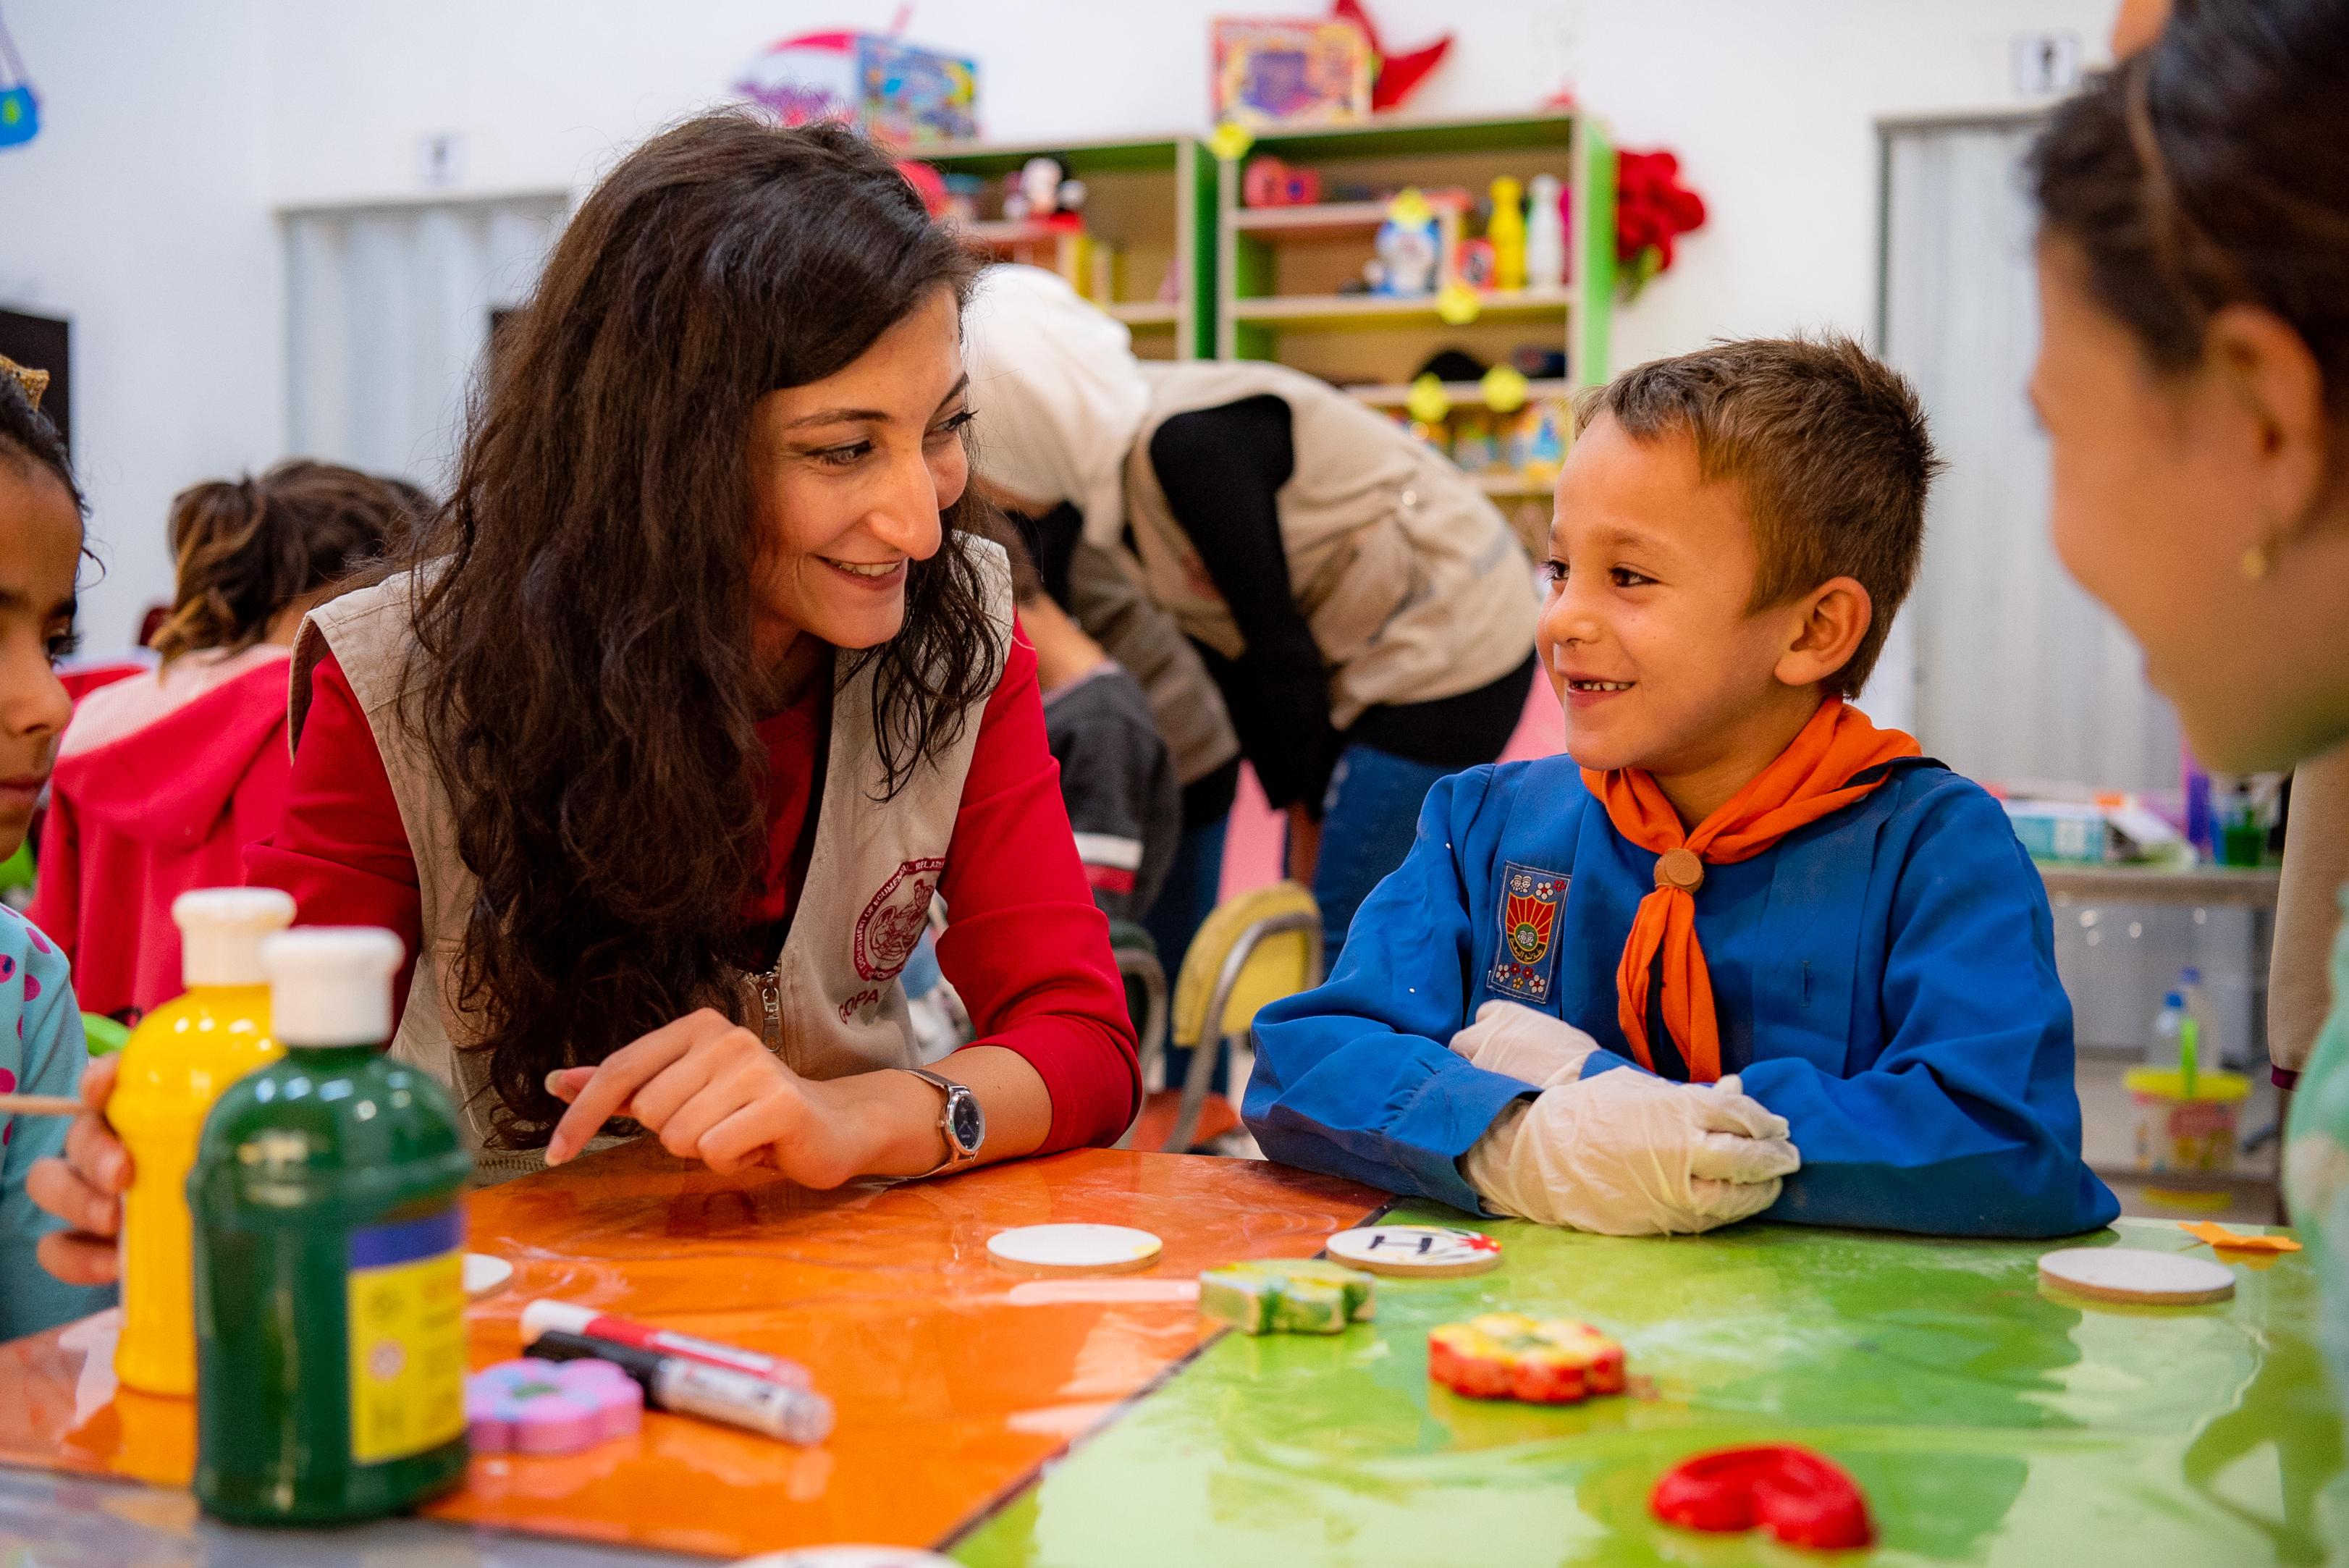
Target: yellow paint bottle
<point>175,1064</point>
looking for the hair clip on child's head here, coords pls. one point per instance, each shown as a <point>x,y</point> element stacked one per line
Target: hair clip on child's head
<point>35,382</point>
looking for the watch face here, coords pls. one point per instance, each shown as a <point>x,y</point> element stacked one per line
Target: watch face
<point>966,1121</point>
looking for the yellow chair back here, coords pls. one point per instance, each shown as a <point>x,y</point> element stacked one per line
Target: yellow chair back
<point>1282,964</point>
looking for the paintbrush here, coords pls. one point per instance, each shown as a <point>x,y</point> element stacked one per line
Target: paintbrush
<point>41,1104</point>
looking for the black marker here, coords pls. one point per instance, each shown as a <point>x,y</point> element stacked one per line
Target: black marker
<point>696,1388</point>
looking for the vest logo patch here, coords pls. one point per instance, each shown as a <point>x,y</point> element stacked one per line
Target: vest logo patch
<point>893,922</point>
<point>1526,956</point>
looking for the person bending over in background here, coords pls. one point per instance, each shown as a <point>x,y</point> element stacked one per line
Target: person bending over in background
<point>1364,609</point>
<point>1115,776</point>
<point>164,778</point>
<point>1741,951</point>
<point>41,1048</point>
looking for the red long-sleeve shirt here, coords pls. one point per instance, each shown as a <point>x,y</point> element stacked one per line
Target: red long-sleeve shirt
<point>1026,949</point>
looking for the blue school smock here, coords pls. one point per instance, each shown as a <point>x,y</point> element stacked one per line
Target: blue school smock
<point>1883,978</point>
<point>41,1053</point>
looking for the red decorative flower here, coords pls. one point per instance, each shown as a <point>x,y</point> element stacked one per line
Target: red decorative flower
<point>1652,209</point>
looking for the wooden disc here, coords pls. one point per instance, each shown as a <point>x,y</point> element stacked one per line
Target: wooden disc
<point>1417,1252</point>
<point>2134,1275</point>
<point>1073,1249</point>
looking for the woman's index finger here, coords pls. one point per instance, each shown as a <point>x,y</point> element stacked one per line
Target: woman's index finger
<point>621,1074</point>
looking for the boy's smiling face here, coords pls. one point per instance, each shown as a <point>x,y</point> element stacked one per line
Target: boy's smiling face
<point>1647,632</point>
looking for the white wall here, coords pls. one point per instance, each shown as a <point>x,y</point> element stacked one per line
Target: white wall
<point>141,214</point>
<point>153,181</point>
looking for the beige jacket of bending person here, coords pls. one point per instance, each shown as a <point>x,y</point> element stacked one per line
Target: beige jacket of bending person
<point>2308,909</point>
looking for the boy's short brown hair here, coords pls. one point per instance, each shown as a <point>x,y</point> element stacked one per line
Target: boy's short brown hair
<point>1829,444</point>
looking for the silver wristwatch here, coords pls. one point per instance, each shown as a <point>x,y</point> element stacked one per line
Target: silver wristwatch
<point>961,1121</point>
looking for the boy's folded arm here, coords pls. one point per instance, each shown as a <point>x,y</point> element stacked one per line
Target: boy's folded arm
<point>1968,1123</point>
<point>1355,1078</point>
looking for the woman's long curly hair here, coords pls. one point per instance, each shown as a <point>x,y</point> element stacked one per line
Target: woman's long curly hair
<point>584,617</point>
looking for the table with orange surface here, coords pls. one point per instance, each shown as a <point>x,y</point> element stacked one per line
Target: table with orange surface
<point>954,1384</point>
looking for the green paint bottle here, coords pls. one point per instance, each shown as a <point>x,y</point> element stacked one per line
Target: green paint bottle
<point>329,1244</point>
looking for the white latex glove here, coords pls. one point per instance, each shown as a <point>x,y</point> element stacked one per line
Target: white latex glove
<point>1518,1043</point>
<point>1626,1153</point>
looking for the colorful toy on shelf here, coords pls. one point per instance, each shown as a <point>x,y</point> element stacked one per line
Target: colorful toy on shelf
<point>963,194</point>
<point>1545,233</point>
<point>533,1407</point>
<point>1508,1355</point>
<point>1427,400</point>
<point>1805,1499</point>
<point>1474,263</point>
<point>1458,305</point>
<point>1472,447</point>
<point>1269,182</point>
<point>1042,192</point>
<point>1286,1295</point>
<point>1540,439</point>
<point>899,92</point>
<point>1290,73</point>
<point>1503,388</point>
<point>1410,249</point>
<point>1507,232</point>
<point>1394,77</point>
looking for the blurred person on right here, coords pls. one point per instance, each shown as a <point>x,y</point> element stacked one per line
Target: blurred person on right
<point>164,778</point>
<point>2193,377</point>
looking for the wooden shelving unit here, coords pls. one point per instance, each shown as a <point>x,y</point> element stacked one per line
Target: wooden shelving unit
<point>1263,283</point>
<point>1151,199</point>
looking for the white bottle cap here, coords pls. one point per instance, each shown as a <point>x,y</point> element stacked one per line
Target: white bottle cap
<point>331,985</point>
<point>221,930</point>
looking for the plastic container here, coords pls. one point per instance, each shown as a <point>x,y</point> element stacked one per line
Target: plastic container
<point>174,1066</point>
<point>2168,1032</point>
<point>329,1279</point>
<point>1545,233</point>
<point>2182,1132</point>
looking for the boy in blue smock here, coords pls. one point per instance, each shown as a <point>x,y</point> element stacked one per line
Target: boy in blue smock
<point>1741,951</point>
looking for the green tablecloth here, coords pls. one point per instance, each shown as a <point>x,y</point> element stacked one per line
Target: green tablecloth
<point>1987,1422</point>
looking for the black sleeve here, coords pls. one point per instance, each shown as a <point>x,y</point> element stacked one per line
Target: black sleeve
<point>1118,786</point>
<point>1222,470</point>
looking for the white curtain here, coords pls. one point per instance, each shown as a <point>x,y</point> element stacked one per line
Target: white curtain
<point>2019,675</point>
<point>388,310</point>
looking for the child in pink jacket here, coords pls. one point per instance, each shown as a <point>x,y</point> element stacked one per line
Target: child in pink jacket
<point>162,779</point>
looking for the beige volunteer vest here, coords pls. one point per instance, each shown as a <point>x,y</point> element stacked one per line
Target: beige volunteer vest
<point>833,1005</point>
<point>1410,578</point>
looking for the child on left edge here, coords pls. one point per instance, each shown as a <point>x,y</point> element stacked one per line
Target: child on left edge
<point>41,1048</point>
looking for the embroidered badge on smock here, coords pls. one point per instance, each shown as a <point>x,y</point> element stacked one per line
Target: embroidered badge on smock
<point>1531,900</point>
<point>892,922</point>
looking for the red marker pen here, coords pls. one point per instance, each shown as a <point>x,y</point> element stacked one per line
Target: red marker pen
<point>548,1316</point>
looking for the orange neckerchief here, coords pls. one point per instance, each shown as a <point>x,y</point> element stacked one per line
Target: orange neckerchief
<point>1809,779</point>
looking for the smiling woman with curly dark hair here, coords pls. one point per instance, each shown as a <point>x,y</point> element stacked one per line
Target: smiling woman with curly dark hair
<point>703,683</point>
<point>702,688</point>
